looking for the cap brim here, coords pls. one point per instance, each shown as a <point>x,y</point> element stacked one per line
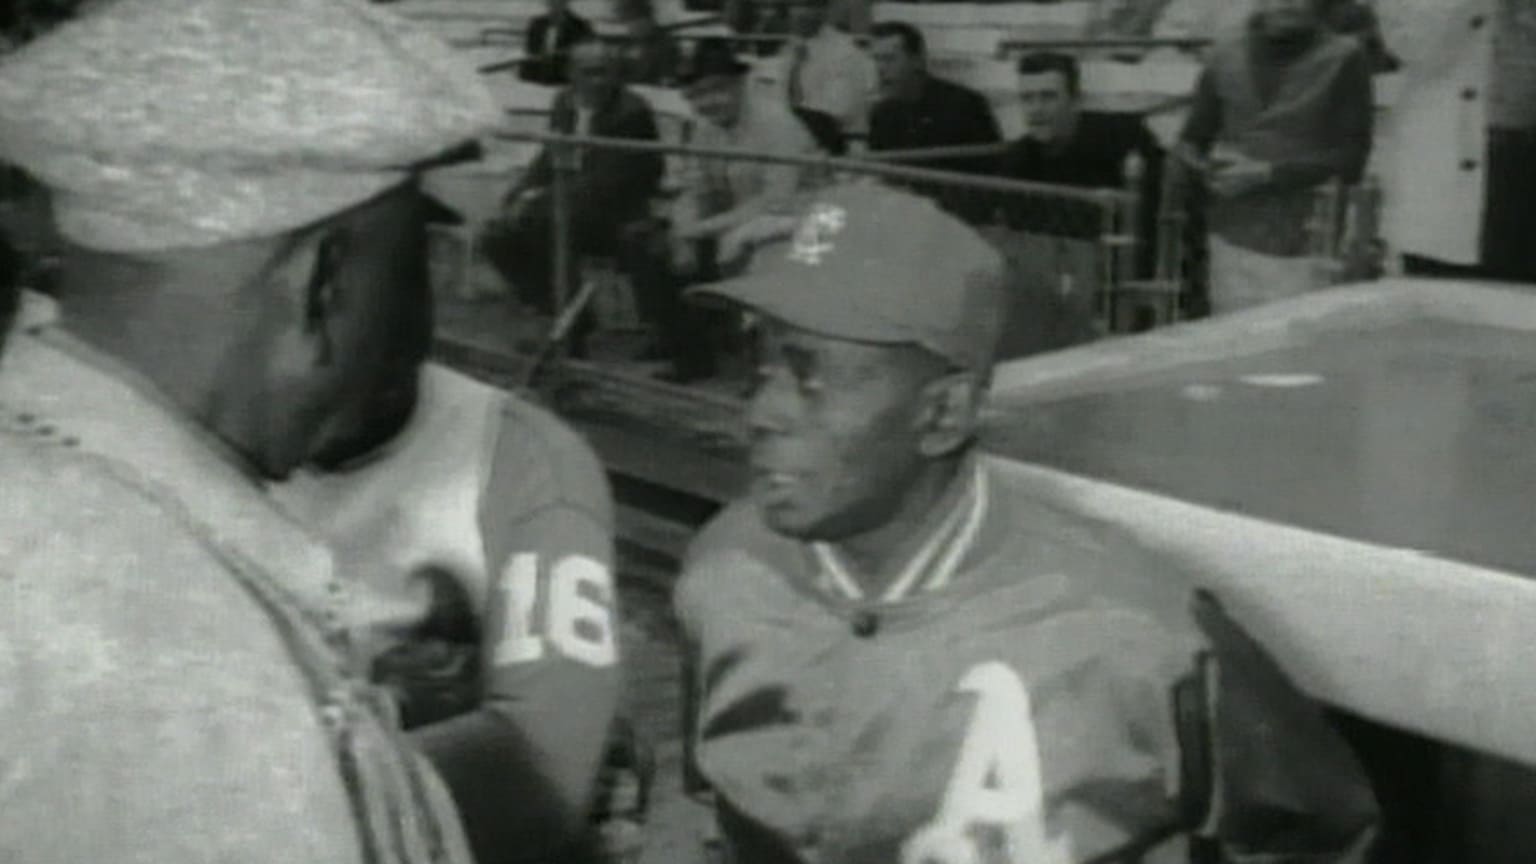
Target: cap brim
<point>803,303</point>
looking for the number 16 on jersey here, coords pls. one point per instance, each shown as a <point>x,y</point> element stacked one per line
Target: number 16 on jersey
<point>577,611</point>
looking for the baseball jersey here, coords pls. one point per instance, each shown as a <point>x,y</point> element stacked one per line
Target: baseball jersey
<point>487,521</point>
<point>1031,688</point>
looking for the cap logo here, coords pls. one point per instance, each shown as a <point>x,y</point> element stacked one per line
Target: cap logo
<point>813,238</point>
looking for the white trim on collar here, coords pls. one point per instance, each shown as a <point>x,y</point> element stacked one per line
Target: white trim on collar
<point>947,546</point>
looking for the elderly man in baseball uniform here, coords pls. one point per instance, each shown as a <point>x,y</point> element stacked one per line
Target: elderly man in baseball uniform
<point>188,673</point>
<point>899,655</point>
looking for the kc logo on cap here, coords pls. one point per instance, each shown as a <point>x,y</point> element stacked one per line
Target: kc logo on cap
<point>813,239</point>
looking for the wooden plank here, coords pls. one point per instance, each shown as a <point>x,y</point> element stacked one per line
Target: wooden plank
<point>651,531</point>
<point>666,463</point>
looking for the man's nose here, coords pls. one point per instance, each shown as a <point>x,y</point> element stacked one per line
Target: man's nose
<point>770,410</point>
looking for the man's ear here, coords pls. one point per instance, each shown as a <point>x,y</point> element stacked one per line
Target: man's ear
<point>304,276</point>
<point>951,406</point>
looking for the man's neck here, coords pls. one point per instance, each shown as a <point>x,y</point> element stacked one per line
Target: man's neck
<point>876,556</point>
<point>171,343</point>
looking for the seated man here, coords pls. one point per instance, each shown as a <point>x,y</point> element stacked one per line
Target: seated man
<point>608,190</point>
<point>1065,145</point>
<point>918,110</point>
<point>720,197</point>
<point>903,657</point>
<point>650,53</point>
<point>921,111</point>
<point>548,40</point>
<point>823,69</point>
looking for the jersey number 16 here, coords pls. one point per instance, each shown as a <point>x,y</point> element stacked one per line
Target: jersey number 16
<point>577,612</point>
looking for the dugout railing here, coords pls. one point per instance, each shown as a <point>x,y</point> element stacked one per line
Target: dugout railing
<point>1077,252</point>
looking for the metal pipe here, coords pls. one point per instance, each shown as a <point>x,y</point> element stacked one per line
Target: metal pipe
<point>1186,43</point>
<point>1101,197</point>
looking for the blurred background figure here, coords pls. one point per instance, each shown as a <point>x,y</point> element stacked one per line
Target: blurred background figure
<point>1064,144</point>
<point>649,54</point>
<point>1357,19</point>
<point>919,110</point>
<point>1459,190</point>
<point>1280,109</point>
<point>608,190</point>
<point>548,40</point>
<point>823,69</point>
<point>719,198</point>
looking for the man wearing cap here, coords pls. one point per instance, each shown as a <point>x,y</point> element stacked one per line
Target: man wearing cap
<point>720,196</point>
<point>901,655</point>
<point>183,666</point>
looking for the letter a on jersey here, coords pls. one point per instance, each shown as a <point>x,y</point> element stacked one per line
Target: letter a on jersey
<point>995,787</point>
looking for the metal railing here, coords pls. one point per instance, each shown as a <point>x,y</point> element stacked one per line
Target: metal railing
<point>1119,44</point>
<point>1076,255</point>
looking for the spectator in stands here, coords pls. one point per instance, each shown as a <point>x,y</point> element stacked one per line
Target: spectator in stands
<point>609,190</point>
<point>917,110</point>
<point>720,197</point>
<point>1280,109</point>
<point>1065,145</point>
<point>823,69</point>
<point>650,54</point>
<point>1353,18</point>
<point>548,41</point>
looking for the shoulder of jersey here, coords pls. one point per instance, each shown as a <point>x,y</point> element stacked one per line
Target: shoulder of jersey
<point>735,558</point>
<point>550,454</point>
<point>736,530</point>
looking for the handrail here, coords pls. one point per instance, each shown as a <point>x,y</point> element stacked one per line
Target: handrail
<point>1099,197</point>
<point>1145,43</point>
<point>958,151</point>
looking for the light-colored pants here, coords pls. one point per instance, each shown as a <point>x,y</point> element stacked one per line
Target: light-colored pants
<point>1242,279</point>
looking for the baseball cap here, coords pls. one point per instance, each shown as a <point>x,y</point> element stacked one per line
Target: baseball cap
<point>161,124</point>
<point>869,263</point>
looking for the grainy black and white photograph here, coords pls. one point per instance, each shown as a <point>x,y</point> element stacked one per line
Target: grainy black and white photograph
<point>768,431</point>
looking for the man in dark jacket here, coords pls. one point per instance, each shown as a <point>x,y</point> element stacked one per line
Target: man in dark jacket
<point>918,110</point>
<point>549,40</point>
<point>607,189</point>
<point>1064,145</point>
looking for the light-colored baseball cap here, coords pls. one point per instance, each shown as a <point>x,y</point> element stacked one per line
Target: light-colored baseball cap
<point>869,263</point>
<point>161,124</point>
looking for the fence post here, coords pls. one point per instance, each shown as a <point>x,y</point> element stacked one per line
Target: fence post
<point>563,156</point>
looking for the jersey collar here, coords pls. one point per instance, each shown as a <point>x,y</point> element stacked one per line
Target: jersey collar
<point>933,565</point>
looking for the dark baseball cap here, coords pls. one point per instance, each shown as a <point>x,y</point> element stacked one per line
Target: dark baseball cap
<point>869,263</point>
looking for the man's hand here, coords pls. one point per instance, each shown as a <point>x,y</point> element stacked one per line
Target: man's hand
<point>1233,174</point>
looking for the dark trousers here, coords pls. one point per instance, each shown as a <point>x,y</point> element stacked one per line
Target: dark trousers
<point>523,252</point>
<point>683,330</point>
